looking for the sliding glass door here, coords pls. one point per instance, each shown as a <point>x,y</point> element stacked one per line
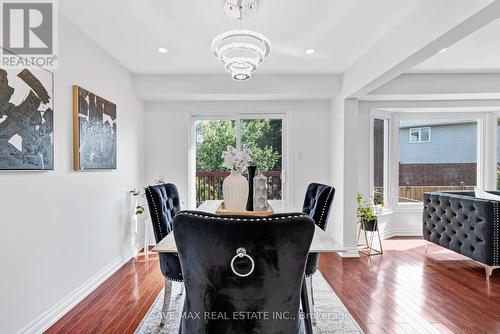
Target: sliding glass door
<point>262,134</point>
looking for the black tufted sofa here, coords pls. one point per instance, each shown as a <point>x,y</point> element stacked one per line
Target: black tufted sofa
<point>465,224</point>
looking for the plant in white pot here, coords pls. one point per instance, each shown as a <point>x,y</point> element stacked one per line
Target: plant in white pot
<point>235,185</point>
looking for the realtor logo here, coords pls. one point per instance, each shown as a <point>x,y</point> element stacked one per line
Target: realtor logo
<point>28,33</point>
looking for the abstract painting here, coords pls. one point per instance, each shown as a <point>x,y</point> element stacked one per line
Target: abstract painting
<point>26,119</point>
<point>94,131</point>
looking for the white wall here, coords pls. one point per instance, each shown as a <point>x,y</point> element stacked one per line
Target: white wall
<point>61,229</point>
<point>167,137</point>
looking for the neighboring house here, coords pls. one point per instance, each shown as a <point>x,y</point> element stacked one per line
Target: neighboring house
<point>437,153</point>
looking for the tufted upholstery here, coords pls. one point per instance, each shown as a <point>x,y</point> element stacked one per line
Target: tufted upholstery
<point>317,204</point>
<point>164,204</point>
<point>465,224</point>
<point>278,245</point>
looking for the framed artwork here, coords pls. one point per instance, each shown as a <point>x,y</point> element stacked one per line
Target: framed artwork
<point>94,122</point>
<point>26,119</point>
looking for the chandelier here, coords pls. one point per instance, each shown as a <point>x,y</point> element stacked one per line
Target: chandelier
<point>241,51</point>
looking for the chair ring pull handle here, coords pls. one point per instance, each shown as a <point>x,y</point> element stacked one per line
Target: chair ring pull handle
<point>242,252</point>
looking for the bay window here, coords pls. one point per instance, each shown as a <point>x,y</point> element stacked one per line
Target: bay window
<point>417,152</point>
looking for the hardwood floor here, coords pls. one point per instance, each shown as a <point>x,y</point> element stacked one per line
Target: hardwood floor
<point>406,291</point>
<point>119,304</point>
<point>401,291</point>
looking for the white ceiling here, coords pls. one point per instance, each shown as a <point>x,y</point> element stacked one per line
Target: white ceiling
<point>132,31</point>
<point>478,52</point>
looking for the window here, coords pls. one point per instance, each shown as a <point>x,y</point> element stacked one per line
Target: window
<point>420,135</point>
<point>263,135</point>
<point>379,138</point>
<point>439,165</point>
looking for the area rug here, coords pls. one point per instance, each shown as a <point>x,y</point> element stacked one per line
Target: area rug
<point>331,315</point>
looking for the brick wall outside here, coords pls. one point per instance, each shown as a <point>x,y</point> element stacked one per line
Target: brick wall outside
<point>440,174</point>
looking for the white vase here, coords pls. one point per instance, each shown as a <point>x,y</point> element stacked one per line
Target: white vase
<point>235,191</point>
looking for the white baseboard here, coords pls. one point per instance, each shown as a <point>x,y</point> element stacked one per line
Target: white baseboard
<point>47,319</point>
<point>401,232</point>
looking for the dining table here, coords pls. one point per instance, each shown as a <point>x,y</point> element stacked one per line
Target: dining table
<point>322,243</point>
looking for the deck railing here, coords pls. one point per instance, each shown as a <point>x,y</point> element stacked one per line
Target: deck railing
<point>416,193</point>
<point>209,185</point>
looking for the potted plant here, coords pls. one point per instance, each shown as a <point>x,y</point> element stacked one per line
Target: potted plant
<point>367,212</point>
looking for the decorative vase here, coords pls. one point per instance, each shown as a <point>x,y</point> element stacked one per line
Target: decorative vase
<point>235,191</point>
<point>260,192</point>
<point>251,175</point>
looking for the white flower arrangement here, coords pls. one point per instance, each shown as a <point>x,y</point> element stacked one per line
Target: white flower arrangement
<point>235,160</point>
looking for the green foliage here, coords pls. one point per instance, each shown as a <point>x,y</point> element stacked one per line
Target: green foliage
<point>216,136</point>
<point>365,208</point>
<point>139,210</point>
<point>261,136</point>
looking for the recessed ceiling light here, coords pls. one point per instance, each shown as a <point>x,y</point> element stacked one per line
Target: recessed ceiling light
<point>443,50</point>
<point>162,50</point>
<point>310,51</point>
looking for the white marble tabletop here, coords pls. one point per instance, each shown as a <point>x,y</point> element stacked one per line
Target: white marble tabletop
<point>322,242</point>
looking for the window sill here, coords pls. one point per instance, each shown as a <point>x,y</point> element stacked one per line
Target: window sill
<point>403,208</point>
<point>409,207</point>
<point>386,212</point>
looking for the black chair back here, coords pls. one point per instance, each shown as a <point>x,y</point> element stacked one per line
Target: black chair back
<point>164,203</point>
<point>317,203</point>
<point>207,245</point>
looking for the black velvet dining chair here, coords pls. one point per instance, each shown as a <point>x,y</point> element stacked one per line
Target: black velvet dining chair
<point>317,203</point>
<point>237,269</point>
<point>164,203</point>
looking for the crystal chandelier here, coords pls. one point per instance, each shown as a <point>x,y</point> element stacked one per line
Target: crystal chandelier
<point>241,51</point>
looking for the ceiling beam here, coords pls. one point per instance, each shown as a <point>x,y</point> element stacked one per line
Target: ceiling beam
<point>432,26</point>
<point>438,86</point>
<point>223,88</point>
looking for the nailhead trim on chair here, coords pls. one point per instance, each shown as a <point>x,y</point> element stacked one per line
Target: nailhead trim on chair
<point>240,219</point>
<point>156,211</point>
<point>496,234</point>
<point>324,206</point>
<point>174,279</point>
